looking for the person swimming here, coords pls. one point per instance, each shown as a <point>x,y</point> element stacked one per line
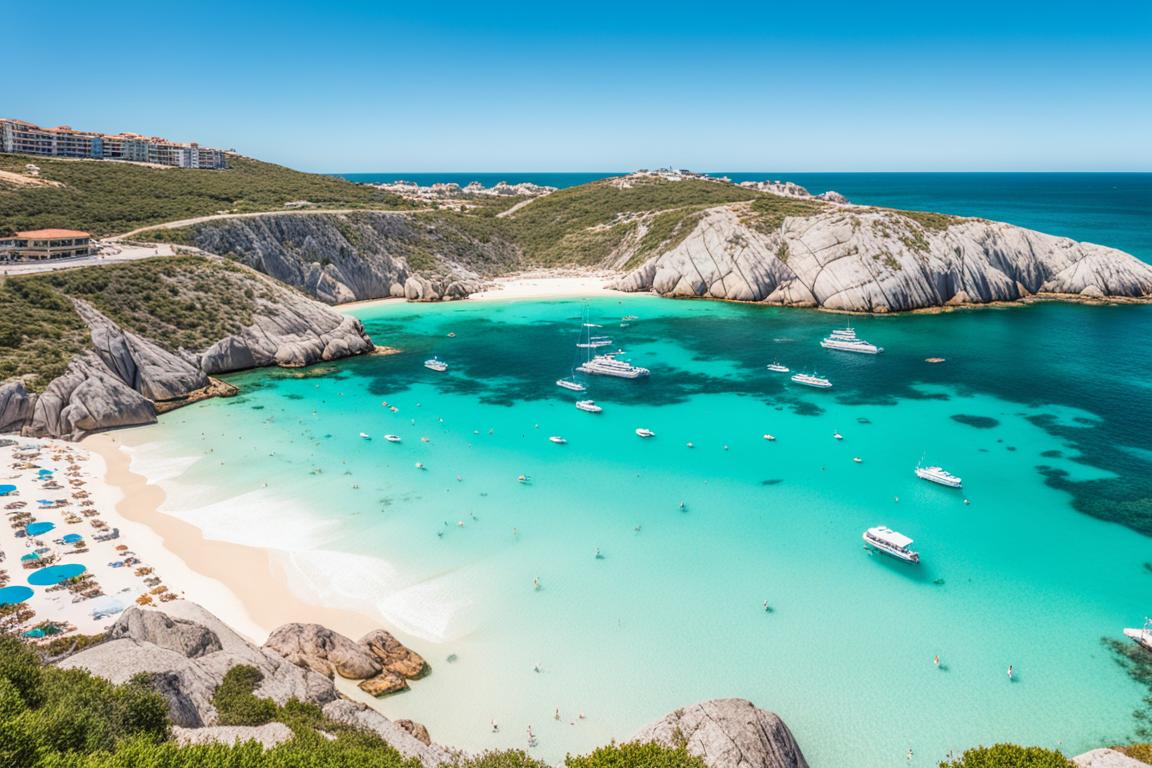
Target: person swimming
<point>936,660</point>
<point>536,586</point>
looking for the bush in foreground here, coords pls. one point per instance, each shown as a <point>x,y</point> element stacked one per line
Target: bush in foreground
<point>1009,756</point>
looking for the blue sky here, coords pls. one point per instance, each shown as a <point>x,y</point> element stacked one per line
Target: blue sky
<point>794,86</point>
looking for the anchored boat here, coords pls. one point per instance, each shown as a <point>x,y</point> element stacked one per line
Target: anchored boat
<point>846,340</point>
<point>938,475</point>
<point>643,432</point>
<point>589,406</point>
<point>608,365</point>
<point>777,368</point>
<point>891,543</point>
<point>436,365</point>
<point>812,380</point>
<point>1142,637</point>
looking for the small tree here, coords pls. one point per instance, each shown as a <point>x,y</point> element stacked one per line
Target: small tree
<point>1009,756</point>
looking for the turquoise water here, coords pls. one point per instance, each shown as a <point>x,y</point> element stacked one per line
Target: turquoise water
<point>1042,410</point>
<point>1111,209</point>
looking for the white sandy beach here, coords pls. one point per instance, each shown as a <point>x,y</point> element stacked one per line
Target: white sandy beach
<point>548,285</point>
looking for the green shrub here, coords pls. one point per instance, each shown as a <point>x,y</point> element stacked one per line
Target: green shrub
<point>632,755</point>
<point>1009,756</point>
<point>235,702</point>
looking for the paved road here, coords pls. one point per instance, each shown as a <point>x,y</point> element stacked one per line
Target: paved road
<point>117,254</point>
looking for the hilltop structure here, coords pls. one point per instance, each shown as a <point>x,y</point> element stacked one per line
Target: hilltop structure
<point>43,244</point>
<point>20,137</point>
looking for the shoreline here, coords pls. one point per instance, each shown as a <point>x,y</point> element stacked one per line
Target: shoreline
<point>245,586</point>
<point>559,284</point>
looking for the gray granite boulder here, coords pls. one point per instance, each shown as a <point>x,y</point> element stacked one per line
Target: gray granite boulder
<point>728,733</point>
<point>187,666</point>
<point>1107,758</point>
<point>16,405</point>
<point>407,744</point>
<point>323,651</point>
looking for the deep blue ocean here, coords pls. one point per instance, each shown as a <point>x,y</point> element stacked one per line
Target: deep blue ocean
<point>1113,209</point>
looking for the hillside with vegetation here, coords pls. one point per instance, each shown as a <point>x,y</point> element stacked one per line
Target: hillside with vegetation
<point>184,302</point>
<point>107,197</point>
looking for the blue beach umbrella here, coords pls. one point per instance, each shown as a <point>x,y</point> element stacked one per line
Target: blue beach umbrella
<point>54,574</point>
<point>6,489</point>
<point>14,595</point>
<point>72,538</point>
<point>29,557</point>
<point>45,472</point>
<point>38,529</point>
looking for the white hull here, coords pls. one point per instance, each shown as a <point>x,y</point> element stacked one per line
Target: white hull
<point>899,554</point>
<point>588,406</point>
<point>619,373</point>
<point>845,346</point>
<point>812,381</point>
<point>575,386</point>
<point>1141,637</point>
<point>948,481</point>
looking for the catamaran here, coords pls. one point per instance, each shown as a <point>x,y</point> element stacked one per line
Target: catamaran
<point>846,340</point>
<point>938,475</point>
<point>812,380</point>
<point>777,368</point>
<point>589,406</point>
<point>1142,637</point>
<point>891,543</point>
<point>436,365</point>
<point>608,365</point>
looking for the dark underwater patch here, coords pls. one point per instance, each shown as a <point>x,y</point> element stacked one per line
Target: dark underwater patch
<point>979,422</point>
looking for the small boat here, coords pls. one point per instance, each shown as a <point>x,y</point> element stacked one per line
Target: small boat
<point>857,459</point>
<point>846,340</point>
<point>589,406</point>
<point>1142,637</point>
<point>629,318</point>
<point>392,438</point>
<point>777,368</point>
<point>643,432</point>
<point>595,342</point>
<point>575,386</point>
<point>365,436</point>
<point>837,436</point>
<point>769,438</point>
<point>419,465</point>
<point>558,440</point>
<point>939,476</point>
<point>812,380</point>
<point>436,365</point>
<point>691,444</point>
<point>891,543</point>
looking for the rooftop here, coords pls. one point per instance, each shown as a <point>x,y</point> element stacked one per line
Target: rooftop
<point>51,234</point>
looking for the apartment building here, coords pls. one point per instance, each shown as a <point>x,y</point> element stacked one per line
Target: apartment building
<point>44,244</point>
<point>18,136</point>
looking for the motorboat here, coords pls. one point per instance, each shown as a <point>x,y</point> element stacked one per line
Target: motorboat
<point>643,432</point>
<point>857,460</point>
<point>837,436</point>
<point>777,368</point>
<point>436,365</point>
<point>938,475</point>
<point>812,380</point>
<point>1142,637</point>
<point>589,406</point>
<point>769,438</point>
<point>558,440</point>
<point>365,436</point>
<point>392,438</point>
<point>608,365</point>
<point>575,386</point>
<point>846,340</point>
<point>892,543</point>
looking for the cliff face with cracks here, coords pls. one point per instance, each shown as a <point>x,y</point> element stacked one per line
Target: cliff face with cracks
<point>871,260</point>
<point>123,377</point>
<point>339,258</point>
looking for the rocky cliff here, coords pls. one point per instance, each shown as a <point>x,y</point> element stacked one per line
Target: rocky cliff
<point>874,260</point>
<point>351,257</point>
<point>122,378</point>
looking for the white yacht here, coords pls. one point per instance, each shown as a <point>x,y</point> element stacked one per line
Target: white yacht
<point>575,386</point>
<point>812,380</point>
<point>892,543</point>
<point>777,368</point>
<point>595,342</point>
<point>608,365</point>
<point>938,475</point>
<point>1142,637</point>
<point>643,432</point>
<point>846,340</point>
<point>365,436</point>
<point>558,440</point>
<point>589,406</point>
<point>392,438</point>
<point>436,365</point>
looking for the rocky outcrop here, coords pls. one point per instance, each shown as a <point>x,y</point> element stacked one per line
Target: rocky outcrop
<point>362,716</point>
<point>189,651</point>
<point>872,260</point>
<point>728,733</point>
<point>291,332</point>
<point>338,258</point>
<point>323,651</point>
<point>1107,758</point>
<point>186,651</point>
<point>381,662</point>
<point>125,378</point>
<point>267,736</point>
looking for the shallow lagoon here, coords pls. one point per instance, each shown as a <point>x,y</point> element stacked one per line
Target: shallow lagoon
<point>1042,410</point>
